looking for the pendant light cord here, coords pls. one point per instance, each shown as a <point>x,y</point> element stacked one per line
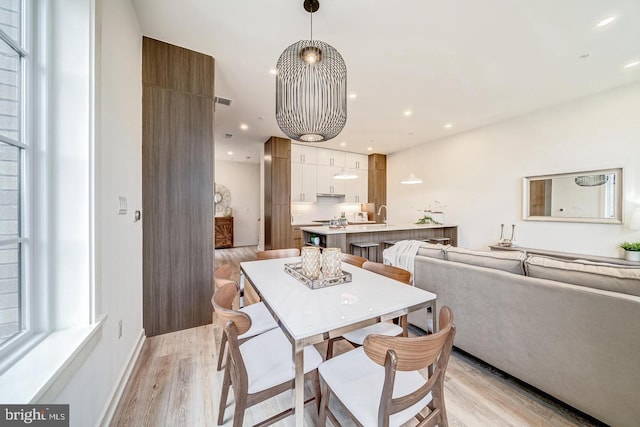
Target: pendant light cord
<point>311,13</point>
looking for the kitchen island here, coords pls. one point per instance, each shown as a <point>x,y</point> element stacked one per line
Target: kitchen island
<point>377,233</point>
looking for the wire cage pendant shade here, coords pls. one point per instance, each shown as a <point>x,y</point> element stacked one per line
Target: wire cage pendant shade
<point>591,180</point>
<point>311,91</point>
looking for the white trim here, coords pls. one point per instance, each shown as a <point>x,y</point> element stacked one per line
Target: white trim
<point>116,394</point>
<point>58,357</point>
<point>92,181</point>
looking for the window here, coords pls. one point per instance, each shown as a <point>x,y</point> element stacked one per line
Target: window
<point>13,151</point>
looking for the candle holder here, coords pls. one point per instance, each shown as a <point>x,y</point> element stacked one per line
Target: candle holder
<point>311,261</point>
<point>331,262</point>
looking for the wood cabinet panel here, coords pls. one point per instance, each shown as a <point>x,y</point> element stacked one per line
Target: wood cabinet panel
<point>277,193</point>
<point>296,237</point>
<point>224,232</point>
<point>377,183</point>
<point>177,188</point>
<point>177,68</point>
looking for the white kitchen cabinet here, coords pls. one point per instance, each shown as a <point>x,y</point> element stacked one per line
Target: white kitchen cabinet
<point>326,183</point>
<point>356,190</point>
<point>303,182</point>
<point>331,158</point>
<point>303,154</point>
<point>357,161</point>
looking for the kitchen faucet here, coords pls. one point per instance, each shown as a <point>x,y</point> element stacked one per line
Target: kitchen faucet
<point>386,211</point>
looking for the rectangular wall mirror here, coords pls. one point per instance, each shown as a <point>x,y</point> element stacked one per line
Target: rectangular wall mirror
<point>589,196</point>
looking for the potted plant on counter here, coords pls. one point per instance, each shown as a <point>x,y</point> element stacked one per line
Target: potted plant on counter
<point>631,251</point>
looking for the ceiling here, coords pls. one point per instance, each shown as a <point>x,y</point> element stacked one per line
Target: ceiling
<point>464,62</point>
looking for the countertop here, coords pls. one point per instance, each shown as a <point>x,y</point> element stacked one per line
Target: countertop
<point>317,223</point>
<point>370,228</point>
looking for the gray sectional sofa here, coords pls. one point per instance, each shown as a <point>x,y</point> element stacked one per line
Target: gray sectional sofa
<point>568,328</point>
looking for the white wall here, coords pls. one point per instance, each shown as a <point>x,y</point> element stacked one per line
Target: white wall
<point>118,242</point>
<point>478,174</point>
<point>243,181</point>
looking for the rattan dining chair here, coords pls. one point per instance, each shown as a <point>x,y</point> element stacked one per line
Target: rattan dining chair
<point>357,337</point>
<point>260,368</point>
<point>383,383</point>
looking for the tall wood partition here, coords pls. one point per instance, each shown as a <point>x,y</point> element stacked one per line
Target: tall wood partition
<point>177,187</point>
<point>378,184</point>
<point>277,193</point>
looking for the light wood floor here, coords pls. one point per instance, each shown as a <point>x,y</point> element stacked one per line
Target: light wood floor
<point>175,383</point>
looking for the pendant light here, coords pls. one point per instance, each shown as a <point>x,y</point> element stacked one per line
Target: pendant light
<point>412,178</point>
<point>311,88</point>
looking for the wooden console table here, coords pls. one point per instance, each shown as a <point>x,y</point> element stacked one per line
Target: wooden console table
<point>565,255</point>
<point>224,232</point>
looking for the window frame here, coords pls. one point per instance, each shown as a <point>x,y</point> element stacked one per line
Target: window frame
<point>27,337</point>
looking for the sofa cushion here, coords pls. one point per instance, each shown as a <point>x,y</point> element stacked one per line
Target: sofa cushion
<point>509,261</point>
<point>432,250</point>
<point>607,277</point>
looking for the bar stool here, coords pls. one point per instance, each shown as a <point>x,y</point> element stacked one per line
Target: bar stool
<point>441,240</point>
<point>388,243</point>
<point>365,245</point>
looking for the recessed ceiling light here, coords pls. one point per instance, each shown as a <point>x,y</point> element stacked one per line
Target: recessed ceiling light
<point>273,71</point>
<point>244,126</point>
<point>353,95</point>
<point>448,126</point>
<point>369,148</point>
<point>230,153</point>
<point>606,21</point>
<point>632,64</point>
<point>408,113</point>
<point>342,144</point>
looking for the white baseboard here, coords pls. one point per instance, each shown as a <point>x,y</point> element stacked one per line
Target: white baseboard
<point>116,395</point>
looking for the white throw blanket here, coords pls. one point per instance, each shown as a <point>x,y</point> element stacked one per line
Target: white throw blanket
<point>402,254</point>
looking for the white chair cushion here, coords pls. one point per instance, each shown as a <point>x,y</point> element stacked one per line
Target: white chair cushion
<point>357,382</point>
<point>268,359</point>
<point>261,320</point>
<point>380,328</point>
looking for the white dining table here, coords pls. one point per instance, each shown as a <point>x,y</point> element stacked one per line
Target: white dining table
<point>310,316</point>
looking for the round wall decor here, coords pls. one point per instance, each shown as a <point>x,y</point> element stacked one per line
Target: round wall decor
<point>221,198</point>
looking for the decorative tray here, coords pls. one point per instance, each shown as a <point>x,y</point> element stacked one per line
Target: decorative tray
<point>295,270</point>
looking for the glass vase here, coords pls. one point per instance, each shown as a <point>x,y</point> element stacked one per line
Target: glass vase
<point>331,262</point>
<point>311,262</point>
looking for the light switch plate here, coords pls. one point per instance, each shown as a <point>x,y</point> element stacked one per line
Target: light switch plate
<point>123,205</point>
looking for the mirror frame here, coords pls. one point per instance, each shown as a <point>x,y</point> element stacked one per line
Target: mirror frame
<point>526,202</point>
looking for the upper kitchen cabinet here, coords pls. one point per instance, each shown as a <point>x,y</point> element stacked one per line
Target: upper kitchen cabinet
<point>303,182</point>
<point>356,190</point>
<point>327,184</point>
<point>357,161</point>
<point>304,154</point>
<point>331,158</point>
